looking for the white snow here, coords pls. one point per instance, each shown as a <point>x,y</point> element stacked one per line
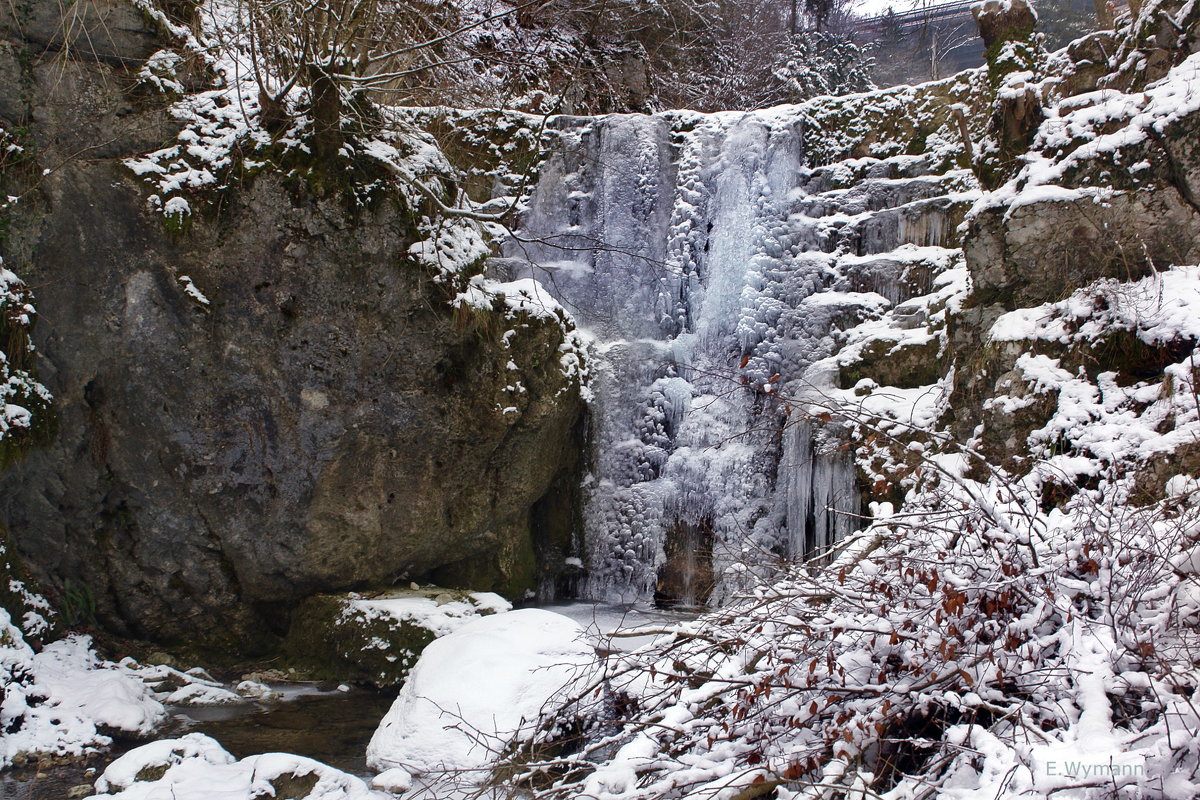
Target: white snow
<point>440,616</point>
<point>1160,308</point>
<point>56,702</point>
<point>477,689</point>
<point>192,291</point>
<point>1092,126</point>
<point>198,768</point>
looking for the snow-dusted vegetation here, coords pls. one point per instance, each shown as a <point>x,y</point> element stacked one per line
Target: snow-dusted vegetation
<point>23,400</point>
<point>972,645</point>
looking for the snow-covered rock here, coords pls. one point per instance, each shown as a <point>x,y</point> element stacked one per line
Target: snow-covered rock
<point>195,767</point>
<point>477,689</point>
<point>65,700</point>
<point>376,638</point>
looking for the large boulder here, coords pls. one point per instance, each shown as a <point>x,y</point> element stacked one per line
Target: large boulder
<point>477,690</point>
<point>324,422</point>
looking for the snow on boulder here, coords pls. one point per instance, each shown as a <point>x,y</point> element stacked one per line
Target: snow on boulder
<point>477,689</point>
<point>195,767</point>
<point>77,683</point>
<point>65,701</point>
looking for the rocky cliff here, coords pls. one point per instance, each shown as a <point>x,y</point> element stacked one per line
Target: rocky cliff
<point>269,399</point>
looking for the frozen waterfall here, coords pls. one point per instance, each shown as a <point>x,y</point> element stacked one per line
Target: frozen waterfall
<point>699,253</point>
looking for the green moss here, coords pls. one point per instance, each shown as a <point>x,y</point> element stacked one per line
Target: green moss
<point>330,639</point>
<point>896,121</point>
<point>177,225</point>
<point>77,605</point>
<point>326,643</point>
<point>916,146</point>
<point>891,364</point>
<point>294,787</point>
<point>151,773</point>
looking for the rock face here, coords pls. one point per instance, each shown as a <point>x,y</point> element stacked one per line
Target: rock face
<point>1039,252</point>
<point>323,424</point>
<point>1001,20</point>
<point>317,417</point>
<point>1115,200</point>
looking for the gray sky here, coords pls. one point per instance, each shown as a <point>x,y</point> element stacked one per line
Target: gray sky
<point>870,8</point>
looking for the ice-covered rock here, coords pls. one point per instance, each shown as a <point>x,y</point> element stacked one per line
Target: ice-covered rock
<point>476,690</point>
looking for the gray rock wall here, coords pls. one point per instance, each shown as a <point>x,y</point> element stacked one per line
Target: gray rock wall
<point>326,422</point>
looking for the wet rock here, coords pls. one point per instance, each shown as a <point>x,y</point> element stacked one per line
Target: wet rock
<point>253,690</point>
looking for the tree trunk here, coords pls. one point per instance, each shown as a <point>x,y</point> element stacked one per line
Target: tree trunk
<point>327,118</point>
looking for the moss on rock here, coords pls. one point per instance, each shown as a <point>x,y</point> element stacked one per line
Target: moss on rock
<point>890,363</point>
<point>376,638</point>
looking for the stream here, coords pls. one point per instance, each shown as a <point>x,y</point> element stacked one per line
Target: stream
<point>332,727</point>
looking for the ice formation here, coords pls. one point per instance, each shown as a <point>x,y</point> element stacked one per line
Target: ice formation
<point>713,267</point>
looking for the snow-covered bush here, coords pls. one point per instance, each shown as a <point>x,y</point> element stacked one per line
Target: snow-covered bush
<point>24,403</point>
<point>972,646</point>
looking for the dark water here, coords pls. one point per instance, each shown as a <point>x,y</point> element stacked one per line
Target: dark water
<point>333,727</point>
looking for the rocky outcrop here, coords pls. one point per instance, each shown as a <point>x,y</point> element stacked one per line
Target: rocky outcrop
<point>1039,251</point>
<point>109,31</point>
<point>276,402</point>
<point>1003,20</point>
